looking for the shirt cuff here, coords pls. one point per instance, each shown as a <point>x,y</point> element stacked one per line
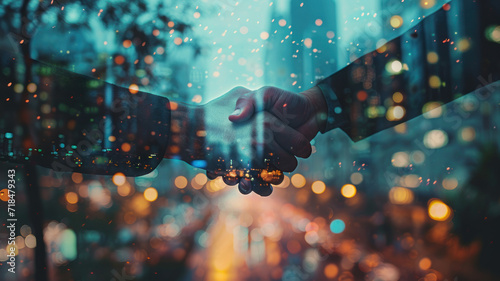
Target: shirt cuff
<point>336,116</point>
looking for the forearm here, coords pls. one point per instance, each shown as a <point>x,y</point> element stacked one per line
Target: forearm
<point>436,61</point>
<point>187,134</point>
<point>74,123</point>
<point>316,98</point>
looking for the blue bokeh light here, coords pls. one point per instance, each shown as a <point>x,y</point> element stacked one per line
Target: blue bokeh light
<point>337,226</point>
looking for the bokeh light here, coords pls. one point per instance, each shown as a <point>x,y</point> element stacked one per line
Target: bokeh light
<point>298,180</point>
<point>4,194</point>
<point>394,67</point>
<point>434,82</point>
<point>432,110</point>
<point>427,4</point>
<point>127,43</point>
<point>450,183</point>
<point>77,177</point>
<point>468,134</point>
<point>425,263</point>
<point>348,191</point>
<point>400,196</point>
<point>119,179</point>
<point>307,231</point>
<point>150,194</point>
<point>356,178</point>
<point>318,187</point>
<point>72,197</point>
<point>396,21</point>
<point>133,88</point>
<point>181,182</point>
<point>400,159</point>
<point>397,97</point>
<point>30,241</point>
<point>331,270</point>
<point>124,190</point>
<point>438,210</point>
<point>337,226</point>
<point>435,139</point>
<point>432,57</point>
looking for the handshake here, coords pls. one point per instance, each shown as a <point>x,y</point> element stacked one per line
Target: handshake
<point>248,137</point>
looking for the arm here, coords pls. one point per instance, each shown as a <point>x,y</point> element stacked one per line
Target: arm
<point>442,58</point>
<point>438,60</point>
<point>71,122</point>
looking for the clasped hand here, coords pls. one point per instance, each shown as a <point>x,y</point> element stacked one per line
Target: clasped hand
<point>252,137</point>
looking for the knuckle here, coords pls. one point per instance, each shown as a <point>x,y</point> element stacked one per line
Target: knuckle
<point>264,89</point>
<point>245,97</point>
<point>241,91</point>
<point>268,90</point>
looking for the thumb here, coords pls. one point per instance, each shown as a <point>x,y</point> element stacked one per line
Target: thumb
<point>244,110</point>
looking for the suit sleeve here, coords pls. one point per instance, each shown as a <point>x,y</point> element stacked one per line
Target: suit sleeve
<point>74,123</point>
<point>447,55</point>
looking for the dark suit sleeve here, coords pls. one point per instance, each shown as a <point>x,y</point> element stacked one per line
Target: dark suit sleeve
<point>449,54</point>
<point>74,123</point>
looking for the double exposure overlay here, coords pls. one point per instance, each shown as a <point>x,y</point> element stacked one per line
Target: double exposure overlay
<point>249,140</point>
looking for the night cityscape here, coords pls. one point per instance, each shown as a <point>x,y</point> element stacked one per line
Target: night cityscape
<point>419,200</point>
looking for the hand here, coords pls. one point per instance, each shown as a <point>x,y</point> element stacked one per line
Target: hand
<point>257,148</point>
<point>251,141</point>
<point>306,112</point>
<point>279,142</point>
<point>268,138</point>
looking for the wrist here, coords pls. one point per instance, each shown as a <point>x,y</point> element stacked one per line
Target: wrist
<point>187,133</point>
<point>319,107</point>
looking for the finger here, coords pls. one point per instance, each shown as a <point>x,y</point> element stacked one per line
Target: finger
<point>276,155</point>
<point>281,159</point>
<point>245,108</point>
<point>230,180</point>
<point>291,140</point>
<point>256,101</point>
<point>245,186</point>
<point>288,138</point>
<point>262,188</point>
<point>308,129</point>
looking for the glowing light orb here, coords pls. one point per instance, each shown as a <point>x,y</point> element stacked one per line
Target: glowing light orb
<point>181,182</point>
<point>337,226</point>
<point>396,21</point>
<point>318,187</point>
<point>119,179</point>
<point>298,180</point>
<point>72,197</point>
<point>348,191</point>
<point>438,210</point>
<point>150,194</point>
